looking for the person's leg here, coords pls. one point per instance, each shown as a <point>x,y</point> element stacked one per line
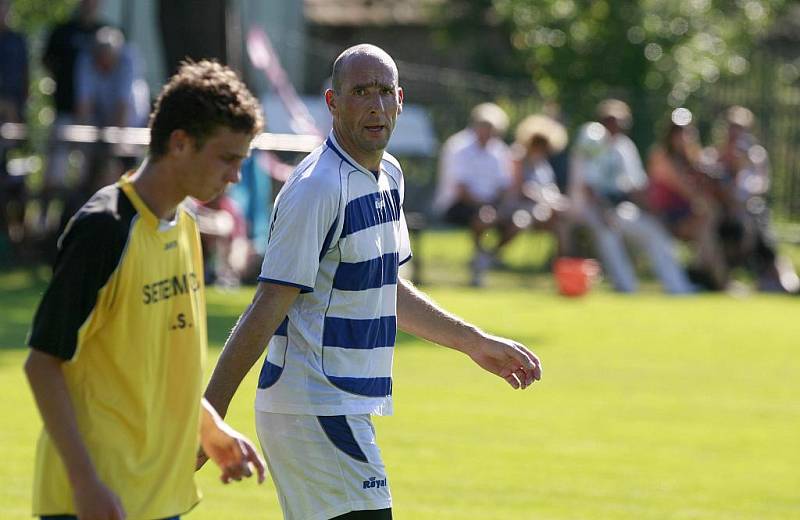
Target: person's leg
<point>482,220</point>
<point>708,248</point>
<point>611,249</point>
<point>508,231</point>
<point>325,466</point>
<point>648,234</point>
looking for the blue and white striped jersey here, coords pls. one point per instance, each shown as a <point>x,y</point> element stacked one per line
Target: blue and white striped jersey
<point>339,234</point>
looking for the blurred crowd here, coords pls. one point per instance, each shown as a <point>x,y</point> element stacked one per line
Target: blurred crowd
<point>598,198</point>
<point>97,81</point>
<point>595,194</point>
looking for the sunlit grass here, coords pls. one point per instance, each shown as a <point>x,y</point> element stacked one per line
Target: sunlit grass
<point>651,407</point>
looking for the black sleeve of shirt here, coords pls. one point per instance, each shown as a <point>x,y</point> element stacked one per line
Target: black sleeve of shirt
<point>90,250</point>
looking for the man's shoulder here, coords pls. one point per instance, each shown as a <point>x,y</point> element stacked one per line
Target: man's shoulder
<point>106,216</point>
<point>498,146</point>
<point>318,174</point>
<point>391,164</point>
<point>459,141</point>
<point>625,144</point>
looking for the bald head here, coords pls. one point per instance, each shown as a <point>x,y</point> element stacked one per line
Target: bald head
<point>357,53</point>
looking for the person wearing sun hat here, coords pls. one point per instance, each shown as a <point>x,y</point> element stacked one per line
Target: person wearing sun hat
<point>538,201</point>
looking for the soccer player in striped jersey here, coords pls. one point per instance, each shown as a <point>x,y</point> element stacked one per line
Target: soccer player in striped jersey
<point>329,303</point>
<point>119,338</point>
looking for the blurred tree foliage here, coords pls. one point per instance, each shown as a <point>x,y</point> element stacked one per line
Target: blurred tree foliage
<point>647,52</point>
<point>33,16</point>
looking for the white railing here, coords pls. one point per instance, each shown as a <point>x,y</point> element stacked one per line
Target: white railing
<point>141,137</point>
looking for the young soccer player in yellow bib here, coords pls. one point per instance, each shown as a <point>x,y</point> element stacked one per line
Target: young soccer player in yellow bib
<point>119,338</point>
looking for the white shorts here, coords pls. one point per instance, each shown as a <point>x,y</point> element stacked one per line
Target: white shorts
<point>323,467</point>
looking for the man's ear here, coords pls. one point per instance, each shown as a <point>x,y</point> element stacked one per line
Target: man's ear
<point>330,100</point>
<point>179,142</point>
<point>399,99</point>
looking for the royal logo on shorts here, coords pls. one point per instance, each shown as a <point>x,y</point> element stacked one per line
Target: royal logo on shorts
<point>373,482</point>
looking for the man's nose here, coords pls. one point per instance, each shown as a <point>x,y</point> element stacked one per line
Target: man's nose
<point>376,103</point>
<point>235,173</point>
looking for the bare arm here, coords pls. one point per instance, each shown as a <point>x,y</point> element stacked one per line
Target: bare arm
<point>418,315</point>
<point>247,341</point>
<point>92,498</point>
<point>517,175</point>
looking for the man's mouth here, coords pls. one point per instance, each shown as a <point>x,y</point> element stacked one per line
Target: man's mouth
<point>375,128</point>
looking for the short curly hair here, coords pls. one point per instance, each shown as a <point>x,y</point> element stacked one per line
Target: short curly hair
<point>200,98</point>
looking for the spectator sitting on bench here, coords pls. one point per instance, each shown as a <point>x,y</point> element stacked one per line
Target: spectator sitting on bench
<point>474,178</point>
<point>538,201</point>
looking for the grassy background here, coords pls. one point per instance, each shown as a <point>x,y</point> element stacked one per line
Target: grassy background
<point>651,407</point>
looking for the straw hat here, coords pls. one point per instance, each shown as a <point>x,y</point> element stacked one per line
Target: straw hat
<point>616,109</point>
<point>490,114</point>
<point>740,116</point>
<point>545,127</point>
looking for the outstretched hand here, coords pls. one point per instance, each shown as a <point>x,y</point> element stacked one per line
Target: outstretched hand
<point>508,359</point>
<point>231,451</point>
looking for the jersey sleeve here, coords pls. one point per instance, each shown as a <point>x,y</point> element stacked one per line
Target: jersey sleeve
<point>632,162</point>
<point>404,247</point>
<point>302,228</point>
<point>88,254</point>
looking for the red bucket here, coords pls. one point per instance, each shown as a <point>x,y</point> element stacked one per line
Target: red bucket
<point>574,276</point>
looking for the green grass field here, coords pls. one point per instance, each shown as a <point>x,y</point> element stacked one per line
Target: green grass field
<point>650,407</point>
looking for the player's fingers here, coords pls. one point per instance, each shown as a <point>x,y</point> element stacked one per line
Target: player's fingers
<point>520,355</point>
<point>523,368</point>
<point>239,467</point>
<point>537,373</point>
<point>530,361</point>
<point>252,456</point>
<point>247,472</point>
<point>241,449</point>
<point>234,472</point>
<point>525,377</point>
<point>237,472</point>
<point>228,473</point>
<point>513,381</point>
